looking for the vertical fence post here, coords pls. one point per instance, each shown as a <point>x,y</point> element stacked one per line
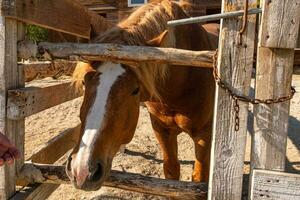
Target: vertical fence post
<point>11,77</point>
<point>298,45</point>
<point>235,64</point>
<point>277,40</point>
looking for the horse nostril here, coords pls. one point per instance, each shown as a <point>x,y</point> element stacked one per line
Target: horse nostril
<point>96,176</point>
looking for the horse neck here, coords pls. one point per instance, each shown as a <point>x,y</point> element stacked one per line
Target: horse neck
<point>177,79</point>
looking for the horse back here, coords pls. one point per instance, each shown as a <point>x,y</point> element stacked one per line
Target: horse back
<point>212,31</point>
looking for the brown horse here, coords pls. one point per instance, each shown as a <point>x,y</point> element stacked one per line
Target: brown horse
<point>179,99</point>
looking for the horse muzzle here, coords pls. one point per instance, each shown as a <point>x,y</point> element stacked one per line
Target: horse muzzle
<point>89,177</point>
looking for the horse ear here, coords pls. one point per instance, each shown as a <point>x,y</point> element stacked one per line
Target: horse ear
<point>90,75</point>
<point>81,69</point>
<point>159,40</point>
<point>78,76</point>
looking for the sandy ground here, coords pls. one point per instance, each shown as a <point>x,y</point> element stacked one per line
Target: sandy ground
<point>142,155</point>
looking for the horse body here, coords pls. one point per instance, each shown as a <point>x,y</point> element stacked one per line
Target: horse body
<point>187,96</point>
<point>179,99</point>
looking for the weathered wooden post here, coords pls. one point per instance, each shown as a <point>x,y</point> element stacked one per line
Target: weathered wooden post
<point>11,77</point>
<point>277,40</point>
<point>235,64</point>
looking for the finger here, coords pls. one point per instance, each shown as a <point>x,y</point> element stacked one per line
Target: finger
<point>8,158</point>
<point>1,162</point>
<point>4,141</point>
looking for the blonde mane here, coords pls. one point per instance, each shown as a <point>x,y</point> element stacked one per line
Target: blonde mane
<point>143,25</point>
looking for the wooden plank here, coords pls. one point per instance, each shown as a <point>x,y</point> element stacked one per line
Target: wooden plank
<point>56,174</point>
<point>273,80</point>
<point>38,96</point>
<point>235,64</point>
<point>298,44</point>
<point>280,22</point>
<point>36,192</point>
<point>99,24</point>
<point>40,70</point>
<point>20,124</point>
<point>10,77</point>
<point>54,149</point>
<point>275,185</point>
<point>49,153</point>
<point>121,53</point>
<point>39,190</point>
<point>274,75</point>
<point>66,16</point>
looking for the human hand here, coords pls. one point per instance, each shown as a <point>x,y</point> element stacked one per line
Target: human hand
<point>8,151</point>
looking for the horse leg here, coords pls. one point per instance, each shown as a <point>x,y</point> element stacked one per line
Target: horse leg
<point>168,144</point>
<point>202,152</point>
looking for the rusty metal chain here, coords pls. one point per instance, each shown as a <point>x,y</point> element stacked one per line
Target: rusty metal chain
<point>228,89</point>
<point>237,97</point>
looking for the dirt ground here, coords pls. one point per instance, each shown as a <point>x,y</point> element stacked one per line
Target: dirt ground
<point>142,155</point>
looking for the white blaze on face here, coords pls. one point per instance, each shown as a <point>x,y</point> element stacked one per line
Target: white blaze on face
<point>95,118</point>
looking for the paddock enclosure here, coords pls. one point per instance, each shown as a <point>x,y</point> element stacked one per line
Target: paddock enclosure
<point>278,23</point>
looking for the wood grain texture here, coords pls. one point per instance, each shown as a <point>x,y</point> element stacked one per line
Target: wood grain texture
<point>280,22</point>
<point>99,24</point>
<point>123,180</point>
<point>298,44</point>
<point>66,16</point>
<point>275,185</point>
<point>58,146</point>
<point>36,192</point>
<point>40,95</point>
<point>19,124</point>
<point>235,64</point>
<point>49,153</point>
<point>40,70</point>
<point>273,79</point>
<point>10,78</point>
<point>121,53</point>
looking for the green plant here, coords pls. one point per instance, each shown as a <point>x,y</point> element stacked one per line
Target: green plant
<point>36,33</point>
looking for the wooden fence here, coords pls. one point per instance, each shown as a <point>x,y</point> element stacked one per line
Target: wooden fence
<point>277,40</point>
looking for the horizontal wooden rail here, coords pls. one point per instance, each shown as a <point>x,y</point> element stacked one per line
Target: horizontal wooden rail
<point>121,53</point>
<point>39,70</point>
<point>214,17</point>
<point>38,96</point>
<point>275,185</point>
<point>58,146</point>
<point>66,16</point>
<point>129,181</point>
<point>53,151</point>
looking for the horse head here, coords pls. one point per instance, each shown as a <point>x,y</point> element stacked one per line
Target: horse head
<point>109,115</point>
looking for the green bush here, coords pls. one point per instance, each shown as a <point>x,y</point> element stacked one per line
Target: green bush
<point>36,33</point>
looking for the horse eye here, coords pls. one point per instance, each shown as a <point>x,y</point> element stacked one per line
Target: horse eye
<point>83,83</point>
<point>136,91</point>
